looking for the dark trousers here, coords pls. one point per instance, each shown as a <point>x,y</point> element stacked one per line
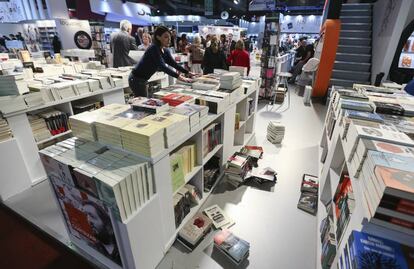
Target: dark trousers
<point>138,86</point>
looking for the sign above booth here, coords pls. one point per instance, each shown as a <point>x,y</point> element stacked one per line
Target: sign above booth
<point>116,10</point>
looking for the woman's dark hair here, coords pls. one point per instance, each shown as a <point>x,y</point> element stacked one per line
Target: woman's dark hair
<point>159,32</point>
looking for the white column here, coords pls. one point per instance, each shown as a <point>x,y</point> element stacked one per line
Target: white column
<point>40,9</point>
<point>26,6</point>
<point>57,9</point>
<point>35,13</point>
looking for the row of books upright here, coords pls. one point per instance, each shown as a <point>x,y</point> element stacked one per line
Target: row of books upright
<point>119,179</point>
<point>5,131</point>
<point>48,123</point>
<point>327,232</point>
<point>182,162</point>
<point>212,137</point>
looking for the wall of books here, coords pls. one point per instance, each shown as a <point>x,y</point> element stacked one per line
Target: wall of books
<point>366,187</point>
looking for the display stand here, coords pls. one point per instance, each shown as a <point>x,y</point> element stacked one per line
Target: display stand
<point>333,159</point>
<point>146,236</point>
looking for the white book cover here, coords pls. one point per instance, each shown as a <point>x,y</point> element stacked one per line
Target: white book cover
<point>218,217</point>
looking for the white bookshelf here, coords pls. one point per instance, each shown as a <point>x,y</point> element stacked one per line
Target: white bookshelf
<point>329,177</point>
<point>148,233</point>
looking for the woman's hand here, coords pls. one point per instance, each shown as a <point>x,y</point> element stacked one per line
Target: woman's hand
<point>184,79</point>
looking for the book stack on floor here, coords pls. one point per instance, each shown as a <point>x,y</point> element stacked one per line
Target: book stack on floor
<point>5,131</point>
<point>218,217</point>
<point>143,138</point>
<point>186,197</point>
<point>182,162</point>
<point>211,173</point>
<point>56,121</point>
<point>344,201</point>
<point>275,132</point>
<point>174,99</point>
<point>237,167</point>
<point>211,137</point>
<point>39,128</point>
<point>230,80</point>
<point>196,114</point>
<point>150,105</point>
<point>364,250</point>
<point>175,126</point>
<point>328,241</point>
<point>308,200</point>
<point>194,231</point>
<point>233,247</point>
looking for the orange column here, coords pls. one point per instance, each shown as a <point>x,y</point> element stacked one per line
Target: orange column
<point>329,42</point>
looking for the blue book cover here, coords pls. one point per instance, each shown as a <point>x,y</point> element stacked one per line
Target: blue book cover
<point>392,160</point>
<point>356,105</point>
<point>354,114</point>
<point>379,253</point>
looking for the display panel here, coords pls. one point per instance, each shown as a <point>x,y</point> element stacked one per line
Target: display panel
<point>407,54</point>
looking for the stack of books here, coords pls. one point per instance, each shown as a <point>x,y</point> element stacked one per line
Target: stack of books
<point>211,172</point>
<point>194,231</point>
<point>62,90</point>
<point>5,131</point>
<point>408,109</point>
<point>33,99</point>
<point>183,200</point>
<point>232,246</point>
<point>93,85</point>
<point>105,83</point>
<point>56,121</point>
<point>230,80</point>
<point>189,156</point>
<point>196,114</point>
<point>364,250</point>
<point>389,108</point>
<point>211,137</point>
<point>122,181</point>
<point>275,132</point>
<point>234,94</point>
<point>174,99</point>
<point>10,104</point>
<point>308,200</point>
<point>150,105</point>
<point>215,105</point>
<point>206,84</point>
<point>83,124</point>
<point>143,138</point>
<point>44,90</point>
<point>237,167</point>
<point>39,128</point>
<point>108,129</point>
<point>356,105</point>
<point>402,124</point>
<point>175,126</point>
<point>328,239</point>
<point>13,85</point>
<point>81,87</point>
<point>387,180</point>
<point>344,201</point>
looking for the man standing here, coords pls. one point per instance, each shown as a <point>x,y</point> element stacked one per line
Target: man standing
<point>138,36</point>
<point>231,43</point>
<point>121,43</point>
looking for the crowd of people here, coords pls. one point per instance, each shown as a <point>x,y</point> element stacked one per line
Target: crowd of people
<point>204,53</point>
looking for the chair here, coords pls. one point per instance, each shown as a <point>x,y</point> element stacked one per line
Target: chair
<point>281,78</point>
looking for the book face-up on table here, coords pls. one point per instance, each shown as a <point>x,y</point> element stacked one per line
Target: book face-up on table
<point>194,231</point>
<point>232,246</point>
<point>218,217</point>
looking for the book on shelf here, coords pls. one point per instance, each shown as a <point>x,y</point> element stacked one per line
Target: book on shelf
<point>371,251</point>
<point>327,230</point>
<point>356,105</point>
<point>150,105</point>
<point>5,131</point>
<point>232,246</point>
<point>174,99</point>
<point>234,94</point>
<point>56,121</point>
<point>39,128</point>
<point>230,80</point>
<point>237,168</point>
<point>344,202</point>
<point>211,137</point>
<point>177,171</point>
<point>211,173</point>
<point>182,202</point>
<point>237,121</point>
<point>82,214</point>
<point>388,108</point>
<point>215,105</point>
<point>194,231</point>
<point>218,217</point>
<point>196,113</point>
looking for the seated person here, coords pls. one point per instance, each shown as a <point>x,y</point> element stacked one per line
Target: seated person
<point>297,69</point>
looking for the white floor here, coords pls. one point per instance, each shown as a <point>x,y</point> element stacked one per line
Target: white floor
<point>281,236</point>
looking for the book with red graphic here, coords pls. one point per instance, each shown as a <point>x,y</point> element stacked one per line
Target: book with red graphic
<point>87,219</point>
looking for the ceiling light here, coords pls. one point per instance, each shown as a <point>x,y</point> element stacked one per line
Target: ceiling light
<point>236,2</point>
<point>158,11</point>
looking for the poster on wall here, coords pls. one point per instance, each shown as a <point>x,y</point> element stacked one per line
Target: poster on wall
<point>12,11</point>
<point>300,24</point>
<point>74,34</point>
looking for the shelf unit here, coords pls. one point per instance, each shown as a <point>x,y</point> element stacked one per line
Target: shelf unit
<point>330,174</point>
<point>46,37</point>
<point>98,41</point>
<point>28,147</point>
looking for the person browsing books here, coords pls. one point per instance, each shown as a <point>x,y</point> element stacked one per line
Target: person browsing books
<point>155,58</point>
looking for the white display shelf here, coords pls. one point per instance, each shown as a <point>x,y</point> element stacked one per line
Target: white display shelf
<point>241,124</point>
<point>189,176</point>
<point>67,100</point>
<point>53,137</point>
<point>212,153</point>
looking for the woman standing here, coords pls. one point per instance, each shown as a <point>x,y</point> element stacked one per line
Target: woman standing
<point>239,56</point>
<point>155,58</point>
<point>146,42</point>
<point>196,55</point>
<point>213,58</point>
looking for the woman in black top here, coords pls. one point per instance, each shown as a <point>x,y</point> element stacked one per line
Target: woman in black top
<point>155,58</point>
<point>213,59</point>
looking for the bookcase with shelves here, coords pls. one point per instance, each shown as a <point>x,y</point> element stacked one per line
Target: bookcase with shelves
<point>334,166</point>
<point>46,37</point>
<point>138,247</point>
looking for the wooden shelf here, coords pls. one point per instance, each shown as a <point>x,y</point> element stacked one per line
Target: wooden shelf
<point>53,137</point>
